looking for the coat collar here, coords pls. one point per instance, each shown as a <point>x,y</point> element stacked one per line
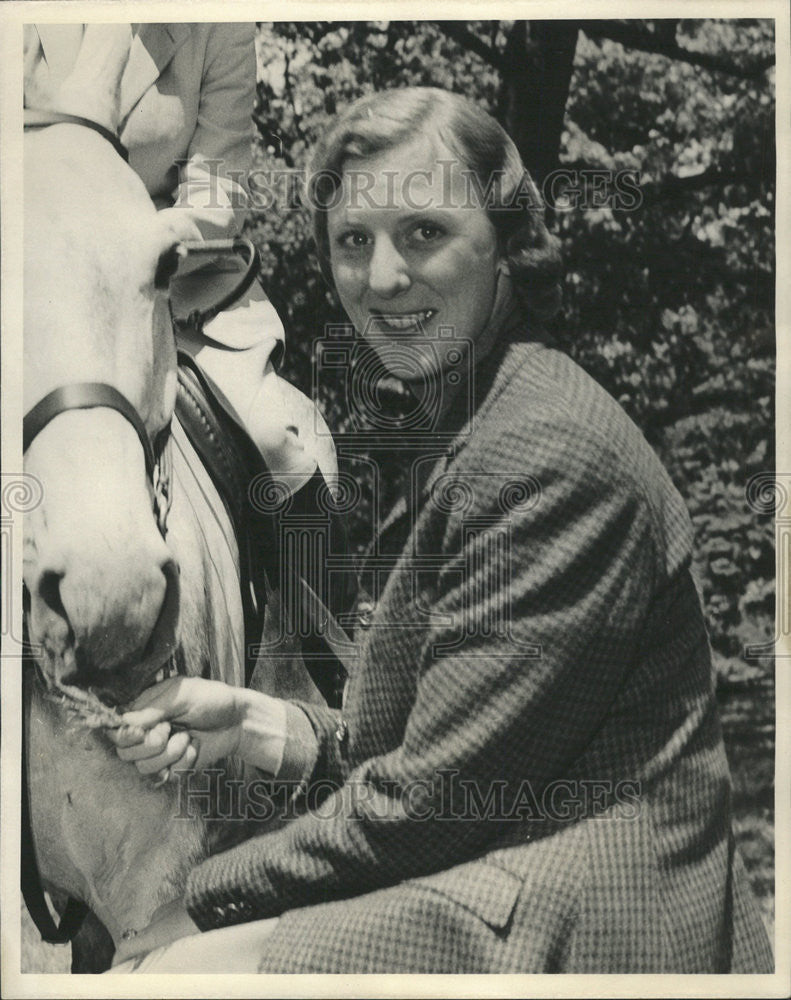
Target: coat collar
<point>153,47</point>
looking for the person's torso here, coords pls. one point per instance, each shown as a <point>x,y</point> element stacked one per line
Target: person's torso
<point>670,681</point>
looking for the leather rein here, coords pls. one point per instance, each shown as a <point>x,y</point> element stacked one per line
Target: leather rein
<point>89,395</point>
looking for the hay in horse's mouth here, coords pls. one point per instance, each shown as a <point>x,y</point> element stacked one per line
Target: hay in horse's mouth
<point>86,707</point>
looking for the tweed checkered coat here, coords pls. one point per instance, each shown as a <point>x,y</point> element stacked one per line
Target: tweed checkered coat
<point>532,777</point>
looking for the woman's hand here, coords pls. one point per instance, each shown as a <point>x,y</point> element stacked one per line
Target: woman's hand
<point>183,226</point>
<point>183,722</point>
<point>187,722</point>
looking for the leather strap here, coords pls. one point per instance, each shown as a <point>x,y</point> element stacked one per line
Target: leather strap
<point>196,320</point>
<point>232,461</point>
<point>84,396</point>
<point>43,119</point>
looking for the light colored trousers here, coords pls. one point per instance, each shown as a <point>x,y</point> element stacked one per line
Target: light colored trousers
<point>227,950</point>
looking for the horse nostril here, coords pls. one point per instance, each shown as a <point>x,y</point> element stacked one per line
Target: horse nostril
<point>161,642</point>
<point>49,592</point>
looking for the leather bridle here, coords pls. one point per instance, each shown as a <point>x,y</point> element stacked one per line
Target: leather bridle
<point>90,395</point>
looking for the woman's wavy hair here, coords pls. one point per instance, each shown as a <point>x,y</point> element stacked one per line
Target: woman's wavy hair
<point>384,120</point>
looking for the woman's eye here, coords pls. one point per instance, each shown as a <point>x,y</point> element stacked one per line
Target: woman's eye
<point>426,232</point>
<point>353,239</point>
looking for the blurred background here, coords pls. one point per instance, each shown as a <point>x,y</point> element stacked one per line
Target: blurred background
<point>654,145</point>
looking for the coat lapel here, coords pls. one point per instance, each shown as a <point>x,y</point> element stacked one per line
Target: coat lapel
<point>152,49</point>
<point>493,376</point>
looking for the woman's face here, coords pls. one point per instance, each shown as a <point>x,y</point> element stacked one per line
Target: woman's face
<point>413,256</point>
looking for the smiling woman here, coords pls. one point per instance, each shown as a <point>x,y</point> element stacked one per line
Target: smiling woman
<point>528,773</point>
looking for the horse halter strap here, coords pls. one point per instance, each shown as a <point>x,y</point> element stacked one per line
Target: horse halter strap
<point>43,119</point>
<point>85,396</point>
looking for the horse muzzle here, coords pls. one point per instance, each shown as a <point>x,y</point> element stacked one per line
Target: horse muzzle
<point>103,587</point>
<point>112,639</point>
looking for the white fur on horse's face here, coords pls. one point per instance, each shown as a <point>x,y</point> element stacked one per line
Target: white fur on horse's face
<point>103,585</point>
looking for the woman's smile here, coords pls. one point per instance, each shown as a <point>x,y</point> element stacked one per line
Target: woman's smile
<point>401,322</point>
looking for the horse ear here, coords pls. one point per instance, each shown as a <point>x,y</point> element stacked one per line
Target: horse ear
<point>36,88</point>
<point>92,88</point>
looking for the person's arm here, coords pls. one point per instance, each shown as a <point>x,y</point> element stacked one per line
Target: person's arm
<point>210,201</point>
<point>192,722</point>
<point>583,567</point>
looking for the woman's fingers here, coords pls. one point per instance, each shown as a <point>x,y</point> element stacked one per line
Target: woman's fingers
<point>190,755</point>
<point>162,729</point>
<point>175,753</point>
<point>135,744</point>
<point>196,707</point>
<point>133,730</point>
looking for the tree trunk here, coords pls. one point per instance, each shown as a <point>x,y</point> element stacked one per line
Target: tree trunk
<point>535,89</point>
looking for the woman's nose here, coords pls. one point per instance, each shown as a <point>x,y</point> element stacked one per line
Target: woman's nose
<point>388,273</point>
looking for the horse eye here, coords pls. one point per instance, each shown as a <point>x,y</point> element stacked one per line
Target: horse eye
<point>167,265</point>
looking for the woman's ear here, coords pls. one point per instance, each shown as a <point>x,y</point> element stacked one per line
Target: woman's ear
<point>503,266</point>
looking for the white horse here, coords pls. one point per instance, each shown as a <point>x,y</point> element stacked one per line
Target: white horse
<point>111,598</point>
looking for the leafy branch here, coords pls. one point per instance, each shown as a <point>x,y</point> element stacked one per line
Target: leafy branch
<point>473,43</point>
<point>635,35</point>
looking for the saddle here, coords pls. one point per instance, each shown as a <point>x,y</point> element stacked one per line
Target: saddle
<point>234,463</point>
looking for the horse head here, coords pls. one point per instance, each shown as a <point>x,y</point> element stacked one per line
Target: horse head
<point>101,582</point>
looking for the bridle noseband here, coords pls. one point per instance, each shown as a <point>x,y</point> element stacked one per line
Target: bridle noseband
<point>84,396</point>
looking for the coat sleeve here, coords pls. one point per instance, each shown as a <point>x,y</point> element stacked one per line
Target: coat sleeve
<point>213,175</point>
<point>551,633</point>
